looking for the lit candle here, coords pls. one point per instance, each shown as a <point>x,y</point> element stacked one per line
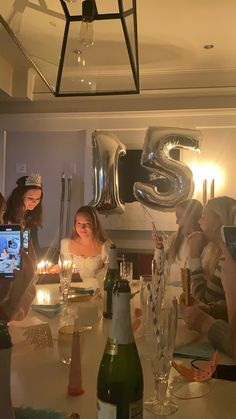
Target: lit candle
<point>212,188</point>
<point>204,192</point>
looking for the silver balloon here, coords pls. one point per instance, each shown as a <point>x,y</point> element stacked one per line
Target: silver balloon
<point>107,149</point>
<point>156,158</point>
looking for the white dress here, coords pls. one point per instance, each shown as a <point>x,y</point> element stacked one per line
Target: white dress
<point>91,267</point>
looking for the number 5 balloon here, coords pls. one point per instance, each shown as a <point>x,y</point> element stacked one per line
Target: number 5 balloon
<point>156,158</point>
<point>107,149</point>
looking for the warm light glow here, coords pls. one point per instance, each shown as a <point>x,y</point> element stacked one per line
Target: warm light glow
<point>208,172</point>
<point>43,297</point>
<point>43,266</point>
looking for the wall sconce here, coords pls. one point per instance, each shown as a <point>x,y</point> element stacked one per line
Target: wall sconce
<point>207,179</point>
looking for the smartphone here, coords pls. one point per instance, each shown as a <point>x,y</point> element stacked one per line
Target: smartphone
<point>26,241</point>
<point>228,234</point>
<point>10,247</point>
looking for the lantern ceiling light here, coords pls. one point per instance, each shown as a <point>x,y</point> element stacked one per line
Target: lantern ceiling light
<point>79,48</point>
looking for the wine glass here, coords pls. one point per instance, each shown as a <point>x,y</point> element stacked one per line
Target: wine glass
<point>162,356</point>
<point>126,270</point>
<point>66,270</point>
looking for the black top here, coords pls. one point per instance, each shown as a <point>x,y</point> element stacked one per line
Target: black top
<point>35,240</point>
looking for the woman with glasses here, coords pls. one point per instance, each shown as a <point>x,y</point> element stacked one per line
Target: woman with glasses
<point>89,244</point>
<point>24,206</point>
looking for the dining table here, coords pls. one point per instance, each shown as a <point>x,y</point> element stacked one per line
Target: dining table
<point>40,380</point>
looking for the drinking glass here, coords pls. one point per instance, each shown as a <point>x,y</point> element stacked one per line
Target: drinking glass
<point>66,270</point>
<point>162,356</point>
<point>126,270</point>
<point>65,338</point>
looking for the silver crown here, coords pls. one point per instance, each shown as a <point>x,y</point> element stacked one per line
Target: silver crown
<point>34,180</point>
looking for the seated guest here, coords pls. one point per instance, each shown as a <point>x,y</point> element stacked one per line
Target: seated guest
<point>89,244</point>
<point>24,207</point>
<point>205,253</point>
<point>219,332</point>
<point>188,213</point>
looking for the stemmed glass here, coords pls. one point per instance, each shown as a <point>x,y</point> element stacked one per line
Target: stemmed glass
<point>162,355</point>
<point>66,270</point>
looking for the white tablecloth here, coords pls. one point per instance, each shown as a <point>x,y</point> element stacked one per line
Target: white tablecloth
<point>40,380</point>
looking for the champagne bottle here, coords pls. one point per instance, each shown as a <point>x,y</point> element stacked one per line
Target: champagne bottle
<point>111,276</point>
<point>120,377</point>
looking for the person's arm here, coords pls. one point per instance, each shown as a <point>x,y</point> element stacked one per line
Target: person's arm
<point>219,335</point>
<point>22,290</point>
<point>207,290</point>
<point>217,331</point>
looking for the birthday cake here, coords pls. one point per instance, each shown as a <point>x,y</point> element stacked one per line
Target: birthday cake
<point>54,278</point>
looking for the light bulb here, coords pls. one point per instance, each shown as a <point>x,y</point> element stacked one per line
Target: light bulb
<point>86,36</point>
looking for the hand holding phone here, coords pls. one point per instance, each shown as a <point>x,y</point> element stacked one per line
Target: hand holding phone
<point>228,234</point>
<point>10,250</point>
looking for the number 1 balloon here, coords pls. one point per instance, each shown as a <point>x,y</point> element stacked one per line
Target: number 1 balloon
<point>107,149</point>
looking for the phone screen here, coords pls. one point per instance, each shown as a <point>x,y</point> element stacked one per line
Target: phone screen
<point>26,241</point>
<point>10,246</point>
<point>229,236</point>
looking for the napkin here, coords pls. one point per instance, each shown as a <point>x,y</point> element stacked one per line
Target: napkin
<point>198,350</point>
<point>48,310</point>
<point>29,413</point>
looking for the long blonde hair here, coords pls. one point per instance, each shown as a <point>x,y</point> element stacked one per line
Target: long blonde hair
<point>193,209</point>
<point>225,208</point>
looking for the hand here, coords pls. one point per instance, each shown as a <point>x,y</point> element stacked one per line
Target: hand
<point>196,241</point>
<point>182,300</point>
<point>197,319</point>
<point>22,291</point>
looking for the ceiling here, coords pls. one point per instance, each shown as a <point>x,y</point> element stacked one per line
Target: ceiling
<point>187,49</point>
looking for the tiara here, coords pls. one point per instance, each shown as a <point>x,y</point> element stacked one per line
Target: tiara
<point>33,180</point>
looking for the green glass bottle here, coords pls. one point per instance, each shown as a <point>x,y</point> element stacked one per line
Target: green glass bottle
<point>111,276</point>
<point>120,377</point>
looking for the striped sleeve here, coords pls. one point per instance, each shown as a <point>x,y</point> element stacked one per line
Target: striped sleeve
<point>208,290</point>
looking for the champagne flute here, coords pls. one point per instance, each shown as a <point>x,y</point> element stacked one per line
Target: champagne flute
<point>162,356</point>
<point>66,270</point>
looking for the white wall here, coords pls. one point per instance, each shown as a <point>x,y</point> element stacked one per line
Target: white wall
<point>218,128</point>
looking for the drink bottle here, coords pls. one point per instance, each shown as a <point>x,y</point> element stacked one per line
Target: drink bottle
<point>111,276</point>
<point>120,378</point>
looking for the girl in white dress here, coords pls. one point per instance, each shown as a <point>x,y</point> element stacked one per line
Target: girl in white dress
<point>89,245</point>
